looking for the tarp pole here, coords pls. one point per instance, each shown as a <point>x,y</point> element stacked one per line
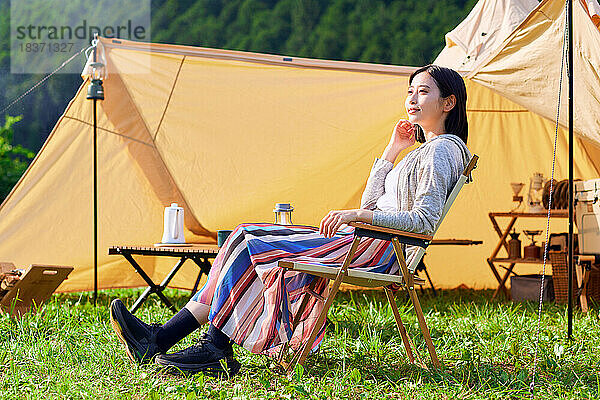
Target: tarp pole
<point>95,204</point>
<point>95,188</point>
<point>570,255</point>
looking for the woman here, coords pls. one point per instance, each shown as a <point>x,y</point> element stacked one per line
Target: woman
<point>249,300</point>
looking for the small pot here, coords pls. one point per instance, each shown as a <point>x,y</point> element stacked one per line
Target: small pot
<point>532,252</point>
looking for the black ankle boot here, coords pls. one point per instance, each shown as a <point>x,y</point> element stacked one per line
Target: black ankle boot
<point>219,339</point>
<point>139,338</point>
<point>205,356</point>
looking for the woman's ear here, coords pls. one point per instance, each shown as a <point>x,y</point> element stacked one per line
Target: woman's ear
<point>449,103</point>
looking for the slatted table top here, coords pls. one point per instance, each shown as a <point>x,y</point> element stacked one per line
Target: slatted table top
<point>553,213</point>
<point>166,250</point>
<point>456,242</point>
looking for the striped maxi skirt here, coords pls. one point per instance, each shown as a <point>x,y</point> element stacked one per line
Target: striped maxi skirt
<point>254,302</point>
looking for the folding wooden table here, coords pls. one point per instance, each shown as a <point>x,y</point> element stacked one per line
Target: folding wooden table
<point>443,242</point>
<point>198,253</point>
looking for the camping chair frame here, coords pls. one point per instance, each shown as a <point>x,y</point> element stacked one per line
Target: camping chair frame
<point>345,274</point>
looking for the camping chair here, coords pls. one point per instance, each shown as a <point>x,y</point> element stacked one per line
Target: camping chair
<point>406,278</point>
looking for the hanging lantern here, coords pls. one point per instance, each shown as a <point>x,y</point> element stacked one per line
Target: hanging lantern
<point>536,190</point>
<point>95,89</point>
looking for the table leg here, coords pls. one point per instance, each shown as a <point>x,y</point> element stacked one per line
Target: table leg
<point>166,281</point>
<point>140,300</point>
<point>166,302</point>
<point>172,273</point>
<point>501,243</point>
<point>498,278</point>
<point>152,287</point>
<point>502,286</point>
<point>204,266</point>
<point>428,278</point>
<point>148,292</point>
<point>139,270</point>
<point>582,278</point>
<point>502,235</point>
<point>195,288</point>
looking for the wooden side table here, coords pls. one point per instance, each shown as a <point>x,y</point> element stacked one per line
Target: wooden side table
<point>502,243</point>
<point>198,253</point>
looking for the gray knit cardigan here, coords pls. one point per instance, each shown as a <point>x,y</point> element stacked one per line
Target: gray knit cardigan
<point>427,176</point>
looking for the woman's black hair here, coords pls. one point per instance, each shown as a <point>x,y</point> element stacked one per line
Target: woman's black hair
<point>449,82</point>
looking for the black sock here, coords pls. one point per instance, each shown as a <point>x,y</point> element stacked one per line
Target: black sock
<point>182,324</point>
<point>218,338</point>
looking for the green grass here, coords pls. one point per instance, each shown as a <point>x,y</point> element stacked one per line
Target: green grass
<point>68,351</point>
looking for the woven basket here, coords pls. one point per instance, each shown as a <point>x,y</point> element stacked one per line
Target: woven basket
<point>560,277</point>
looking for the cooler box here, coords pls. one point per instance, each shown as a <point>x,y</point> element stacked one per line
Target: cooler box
<point>587,215</point>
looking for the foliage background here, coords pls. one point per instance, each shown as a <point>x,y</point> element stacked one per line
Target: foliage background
<point>401,32</point>
<point>13,158</point>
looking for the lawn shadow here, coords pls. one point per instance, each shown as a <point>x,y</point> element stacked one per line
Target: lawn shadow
<point>477,376</point>
<point>475,371</point>
<point>128,295</point>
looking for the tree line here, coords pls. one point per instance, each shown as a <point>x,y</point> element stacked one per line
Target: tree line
<point>400,32</point>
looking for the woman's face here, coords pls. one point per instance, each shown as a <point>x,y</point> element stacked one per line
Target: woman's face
<point>424,103</point>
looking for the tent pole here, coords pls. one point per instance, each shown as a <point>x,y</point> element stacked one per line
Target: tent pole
<point>95,204</point>
<point>96,92</point>
<point>570,255</point>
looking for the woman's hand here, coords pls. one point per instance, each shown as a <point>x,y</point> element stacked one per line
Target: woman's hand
<point>403,136</point>
<point>334,219</point>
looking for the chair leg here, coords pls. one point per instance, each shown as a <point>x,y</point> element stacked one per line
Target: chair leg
<point>424,328</point>
<point>409,281</point>
<point>403,334</point>
<point>321,319</point>
<point>285,347</point>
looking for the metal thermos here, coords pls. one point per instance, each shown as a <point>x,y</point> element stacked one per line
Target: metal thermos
<point>283,213</point>
<point>514,245</point>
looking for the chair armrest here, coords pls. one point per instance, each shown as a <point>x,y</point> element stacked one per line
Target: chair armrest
<point>380,232</point>
<point>363,225</point>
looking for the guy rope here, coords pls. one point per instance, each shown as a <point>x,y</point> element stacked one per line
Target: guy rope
<point>537,335</point>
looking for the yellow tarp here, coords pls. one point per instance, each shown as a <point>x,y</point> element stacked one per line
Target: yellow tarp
<point>227,134</point>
